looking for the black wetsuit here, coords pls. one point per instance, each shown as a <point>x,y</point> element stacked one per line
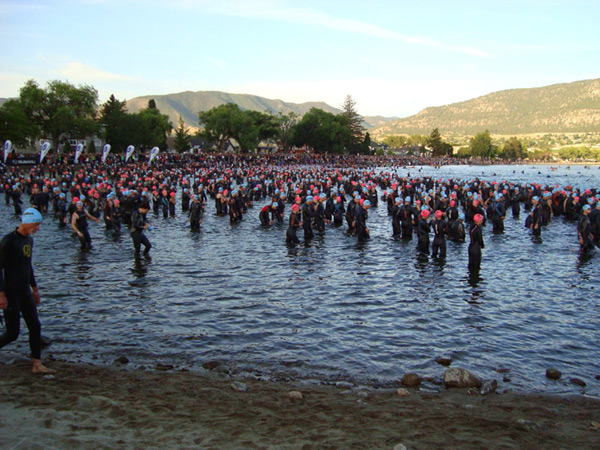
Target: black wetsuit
<point>458,232</point>
<point>475,247</point>
<point>407,219</point>
<point>138,223</point>
<point>290,235</point>
<point>361,224</point>
<point>308,212</point>
<point>423,236</point>
<point>440,228</point>
<point>82,225</point>
<point>585,234</point>
<point>195,215</point>
<point>16,280</point>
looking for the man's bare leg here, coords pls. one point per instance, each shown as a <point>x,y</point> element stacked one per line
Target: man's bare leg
<point>38,367</point>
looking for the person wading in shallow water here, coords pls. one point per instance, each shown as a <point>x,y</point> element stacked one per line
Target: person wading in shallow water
<point>19,293</point>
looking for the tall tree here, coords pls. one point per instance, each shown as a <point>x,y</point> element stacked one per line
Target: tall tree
<point>287,122</point>
<point>355,125</point>
<point>513,149</point>
<point>183,140</point>
<point>481,145</point>
<point>15,125</point>
<point>154,128</point>
<point>226,122</point>
<point>61,111</point>
<point>116,127</point>
<point>436,143</point>
<point>323,131</point>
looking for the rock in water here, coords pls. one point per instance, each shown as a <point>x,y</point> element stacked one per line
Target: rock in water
<point>210,365</point>
<point>46,341</point>
<point>444,361</point>
<point>553,373</point>
<point>122,360</point>
<point>457,377</point>
<point>399,447</point>
<point>402,392</point>
<point>411,380</point>
<point>578,382</point>
<point>489,387</point>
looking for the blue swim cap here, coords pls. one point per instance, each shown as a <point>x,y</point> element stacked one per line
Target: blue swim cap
<point>366,203</point>
<point>82,197</point>
<point>61,195</point>
<point>275,204</point>
<point>309,198</point>
<point>461,216</point>
<point>407,198</point>
<point>398,200</point>
<point>591,200</point>
<point>31,215</point>
<point>536,198</point>
<point>586,207</point>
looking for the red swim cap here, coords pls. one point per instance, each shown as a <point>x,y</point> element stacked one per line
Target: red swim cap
<point>478,218</point>
<point>425,213</point>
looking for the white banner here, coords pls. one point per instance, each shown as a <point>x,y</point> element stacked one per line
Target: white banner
<point>105,152</point>
<point>130,150</point>
<point>7,149</point>
<point>154,153</point>
<point>78,152</point>
<point>45,149</point>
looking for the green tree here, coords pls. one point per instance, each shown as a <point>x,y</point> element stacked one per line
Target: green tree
<point>396,141</point>
<point>115,124</point>
<point>287,123</point>
<point>15,125</point>
<point>481,145</point>
<point>61,111</point>
<point>436,143</point>
<point>183,140</point>
<point>267,124</point>
<point>355,120</point>
<point>225,122</point>
<point>513,149</point>
<point>153,128</point>
<point>323,131</point>
<point>366,144</point>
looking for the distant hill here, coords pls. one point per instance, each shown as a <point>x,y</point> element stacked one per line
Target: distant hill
<point>559,108</point>
<point>188,104</point>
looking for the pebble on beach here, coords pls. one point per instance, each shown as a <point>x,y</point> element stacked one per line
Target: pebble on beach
<point>461,378</point>
<point>122,360</point>
<point>403,392</point>
<point>578,382</point>
<point>210,365</point>
<point>295,395</point>
<point>239,386</point>
<point>489,387</point>
<point>553,373</point>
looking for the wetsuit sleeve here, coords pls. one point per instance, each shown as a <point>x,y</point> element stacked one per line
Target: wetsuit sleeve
<point>32,281</point>
<point>3,256</point>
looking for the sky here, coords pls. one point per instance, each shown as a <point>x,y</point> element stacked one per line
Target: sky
<point>393,57</point>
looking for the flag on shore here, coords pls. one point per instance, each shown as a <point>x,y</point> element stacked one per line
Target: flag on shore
<point>7,149</point>
<point>44,151</point>
<point>130,150</point>
<point>78,152</point>
<point>154,153</point>
<point>105,152</point>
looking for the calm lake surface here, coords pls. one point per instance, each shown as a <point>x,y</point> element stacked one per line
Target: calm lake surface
<point>333,310</point>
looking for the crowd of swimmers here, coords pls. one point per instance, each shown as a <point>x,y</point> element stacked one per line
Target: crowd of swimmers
<point>334,191</point>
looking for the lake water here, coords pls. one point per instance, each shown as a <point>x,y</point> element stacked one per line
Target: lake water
<point>333,310</point>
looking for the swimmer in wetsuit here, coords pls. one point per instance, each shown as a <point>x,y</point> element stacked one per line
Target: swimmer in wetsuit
<point>19,294</point>
<point>476,243</point>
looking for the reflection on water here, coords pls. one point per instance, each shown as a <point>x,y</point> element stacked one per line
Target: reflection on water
<point>331,308</point>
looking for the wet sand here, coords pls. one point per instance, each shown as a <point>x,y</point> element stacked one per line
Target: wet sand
<point>85,406</point>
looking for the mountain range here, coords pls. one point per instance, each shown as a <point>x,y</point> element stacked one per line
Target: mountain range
<point>188,104</point>
<point>558,108</point>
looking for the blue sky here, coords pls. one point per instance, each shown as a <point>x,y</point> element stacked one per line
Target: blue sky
<point>394,57</point>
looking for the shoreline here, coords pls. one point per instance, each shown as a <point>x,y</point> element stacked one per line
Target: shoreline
<point>117,406</point>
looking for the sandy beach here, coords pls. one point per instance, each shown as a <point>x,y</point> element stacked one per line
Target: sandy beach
<point>85,406</point>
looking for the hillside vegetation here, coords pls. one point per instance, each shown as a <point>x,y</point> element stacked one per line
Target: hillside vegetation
<point>188,104</point>
<point>559,108</point>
